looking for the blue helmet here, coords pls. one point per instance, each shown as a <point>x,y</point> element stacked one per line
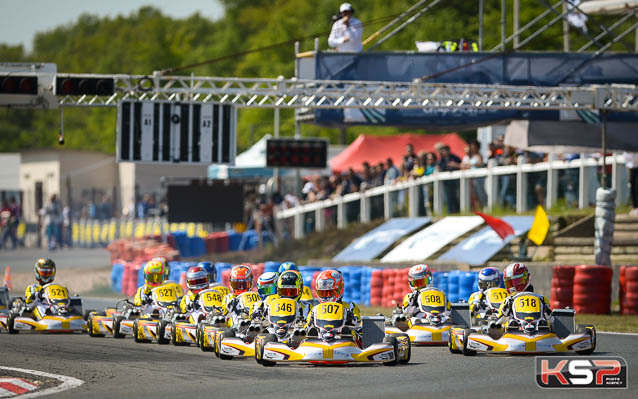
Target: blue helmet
<point>287,266</point>
<point>489,277</point>
<point>210,269</point>
<point>267,284</point>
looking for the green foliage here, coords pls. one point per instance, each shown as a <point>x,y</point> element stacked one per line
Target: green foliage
<point>147,40</point>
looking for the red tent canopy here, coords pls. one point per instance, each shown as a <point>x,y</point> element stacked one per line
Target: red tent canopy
<point>375,149</point>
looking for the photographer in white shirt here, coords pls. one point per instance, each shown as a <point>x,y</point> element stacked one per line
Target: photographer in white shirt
<point>346,32</point>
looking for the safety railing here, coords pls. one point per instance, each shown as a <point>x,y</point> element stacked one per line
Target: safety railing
<point>519,187</point>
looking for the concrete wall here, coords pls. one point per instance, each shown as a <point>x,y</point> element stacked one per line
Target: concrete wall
<point>87,173</point>
<point>38,166</point>
<point>10,171</point>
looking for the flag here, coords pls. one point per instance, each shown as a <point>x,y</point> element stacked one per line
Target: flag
<point>540,227</point>
<point>501,227</point>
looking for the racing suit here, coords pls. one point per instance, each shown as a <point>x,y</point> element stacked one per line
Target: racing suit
<point>33,295</point>
<point>189,302</point>
<point>260,309</point>
<point>476,301</point>
<point>143,295</point>
<point>353,316</point>
<point>410,306</point>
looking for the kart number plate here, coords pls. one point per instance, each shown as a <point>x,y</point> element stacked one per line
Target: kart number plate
<point>528,304</point>
<point>432,298</point>
<point>213,299</point>
<point>166,294</point>
<point>57,292</point>
<point>249,298</point>
<point>282,307</point>
<point>330,311</point>
<point>497,295</point>
<point>222,290</point>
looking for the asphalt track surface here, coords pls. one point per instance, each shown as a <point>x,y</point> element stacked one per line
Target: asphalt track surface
<point>113,368</point>
<point>22,259</point>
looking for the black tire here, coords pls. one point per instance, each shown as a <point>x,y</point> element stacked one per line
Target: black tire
<point>389,339</point>
<point>174,336</point>
<point>226,334</point>
<point>407,359</point>
<point>466,351</point>
<point>89,327</point>
<point>200,339</point>
<point>117,321</point>
<point>135,332</point>
<point>87,313</point>
<point>259,349</point>
<point>591,330</point>
<point>10,323</point>
<point>161,331</point>
<point>449,344</point>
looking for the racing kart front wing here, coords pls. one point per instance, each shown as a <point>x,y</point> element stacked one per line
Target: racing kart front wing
<point>421,334</point>
<point>48,324</point>
<point>337,352</point>
<point>470,342</point>
<point>100,325</point>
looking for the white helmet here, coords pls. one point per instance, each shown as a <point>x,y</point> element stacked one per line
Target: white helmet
<point>346,7</point>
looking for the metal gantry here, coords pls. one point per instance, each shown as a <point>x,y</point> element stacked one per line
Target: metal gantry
<point>295,93</point>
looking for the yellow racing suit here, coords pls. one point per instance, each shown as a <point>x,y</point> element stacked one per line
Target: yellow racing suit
<point>143,295</point>
<point>33,293</point>
<point>505,311</point>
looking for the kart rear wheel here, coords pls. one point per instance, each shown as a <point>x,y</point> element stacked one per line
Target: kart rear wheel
<point>450,338</point>
<point>174,336</point>
<point>466,350</point>
<point>161,332</point>
<point>117,321</point>
<point>259,349</point>
<point>389,339</point>
<point>591,330</point>
<point>10,323</point>
<point>225,334</point>
<point>89,327</point>
<point>407,358</point>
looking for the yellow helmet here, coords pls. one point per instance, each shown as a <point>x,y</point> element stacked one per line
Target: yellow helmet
<point>154,273</point>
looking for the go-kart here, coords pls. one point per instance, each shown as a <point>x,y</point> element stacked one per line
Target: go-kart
<point>157,318</point>
<point>487,309</point>
<point>200,324</point>
<point>5,301</point>
<point>527,332</point>
<point>330,341</point>
<point>116,321</point>
<point>282,324</point>
<point>431,322</point>
<point>55,313</point>
<point>238,339</point>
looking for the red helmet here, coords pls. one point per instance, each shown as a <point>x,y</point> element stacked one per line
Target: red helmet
<point>329,286</point>
<point>419,277</point>
<point>241,279</point>
<point>516,278</point>
<point>196,279</point>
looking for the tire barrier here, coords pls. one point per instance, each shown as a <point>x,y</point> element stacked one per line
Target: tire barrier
<point>629,290</point>
<point>605,214</point>
<point>562,294</point>
<point>592,289</point>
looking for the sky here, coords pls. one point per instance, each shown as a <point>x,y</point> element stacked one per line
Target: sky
<point>20,20</point>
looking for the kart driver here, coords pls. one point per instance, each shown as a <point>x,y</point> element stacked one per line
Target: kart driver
<point>210,269</point>
<point>488,277</point>
<point>330,288</point>
<point>167,282</point>
<point>267,289</point>
<point>517,279</point>
<point>241,280</point>
<point>306,296</point>
<point>153,277</point>
<point>44,270</point>
<point>290,285</point>
<point>197,281</point>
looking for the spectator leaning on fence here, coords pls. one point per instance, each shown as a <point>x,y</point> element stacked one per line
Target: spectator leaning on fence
<point>346,31</point>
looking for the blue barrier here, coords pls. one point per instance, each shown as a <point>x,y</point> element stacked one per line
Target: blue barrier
<point>271,266</point>
<point>453,286</point>
<point>117,273</point>
<point>234,239</point>
<point>196,246</point>
<point>466,284</point>
<point>220,267</point>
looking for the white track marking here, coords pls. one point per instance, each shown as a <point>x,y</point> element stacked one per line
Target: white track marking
<point>617,333</point>
<point>67,382</point>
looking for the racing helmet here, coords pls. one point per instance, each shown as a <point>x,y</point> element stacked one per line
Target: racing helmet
<point>167,268</point>
<point>419,277</point>
<point>516,277</point>
<point>489,277</point>
<point>196,279</point>
<point>287,266</point>
<point>329,286</point>
<point>267,284</point>
<point>210,269</point>
<point>154,273</point>
<point>241,279</point>
<point>290,285</point>
<point>44,270</point>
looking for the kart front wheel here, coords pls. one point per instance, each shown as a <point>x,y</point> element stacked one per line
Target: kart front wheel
<point>89,327</point>
<point>260,344</point>
<point>591,330</point>
<point>225,334</point>
<point>466,350</point>
<point>161,332</point>
<point>450,344</point>
<point>407,358</point>
<point>117,321</point>
<point>10,324</point>
<point>200,339</point>
<point>389,339</point>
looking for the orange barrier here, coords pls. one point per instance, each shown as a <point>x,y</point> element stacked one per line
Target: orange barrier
<point>562,294</point>
<point>629,290</point>
<point>592,289</point>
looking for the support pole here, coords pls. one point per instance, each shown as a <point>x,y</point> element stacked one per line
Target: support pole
<point>275,173</point>
<point>503,22</point>
<point>565,28</point>
<point>481,12</point>
<point>517,14</point>
<point>603,115</point>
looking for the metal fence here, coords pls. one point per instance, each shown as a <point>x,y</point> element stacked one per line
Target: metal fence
<point>519,187</point>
